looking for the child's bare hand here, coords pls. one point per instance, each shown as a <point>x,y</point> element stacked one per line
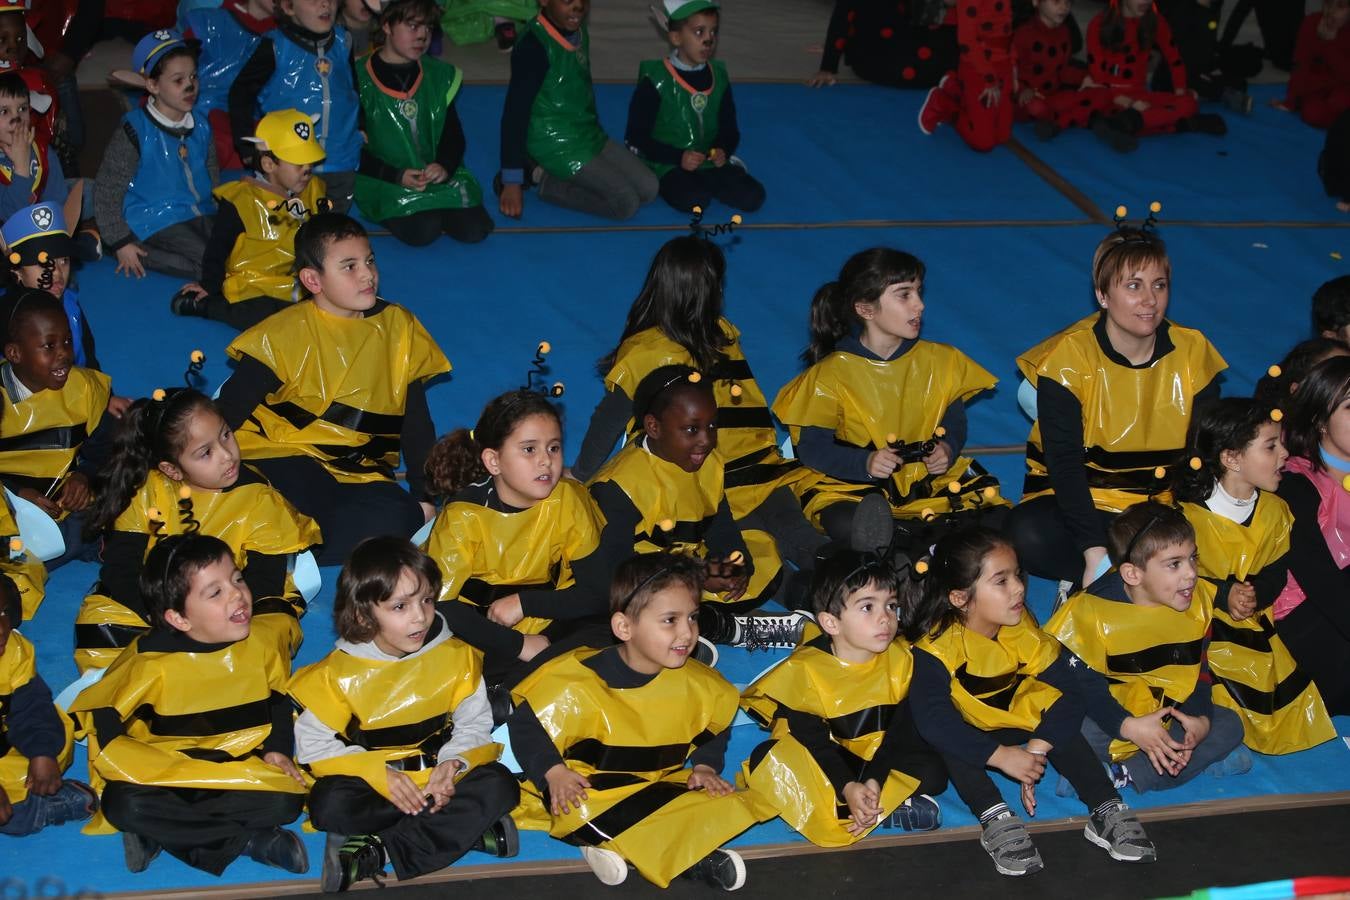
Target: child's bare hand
<point>1029,799</point>
<point>822,79</point>
<point>286,764</point>
<point>1196,728</point>
<point>506,610</point>
<point>882,463</point>
<point>1025,96</point>
<point>532,646</point>
<point>1140,106</point>
<point>436,174</point>
<point>1241,601</point>
<point>989,97</point>
<point>1018,764</point>
<point>1149,734</point>
<point>40,501</point>
<point>512,201</point>
<point>566,789</point>
<point>404,793</point>
<point>413,180</point>
<point>940,460</point>
<point>1122,101</point>
<point>75,493</point>
<point>722,576</point>
<point>718,157</point>
<point>441,785</point>
<point>117,406</point>
<point>19,148</point>
<point>703,778</point>
<point>44,776</point>
<point>864,804</point>
<point>193,288</point>
<point>691,160</point>
<point>129,260</point>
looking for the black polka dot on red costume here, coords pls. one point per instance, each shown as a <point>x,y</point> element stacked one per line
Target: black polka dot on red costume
<point>852,32</point>
<point>988,54</point>
<point>986,26</point>
<point>989,79</point>
<point>972,11</point>
<point>1037,47</point>
<point>1052,52</point>
<point>1085,103</point>
<point>998,6</point>
<point>1037,69</point>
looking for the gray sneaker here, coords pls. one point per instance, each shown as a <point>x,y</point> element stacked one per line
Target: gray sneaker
<point>1009,844</point>
<point>1120,834</point>
<point>770,632</point>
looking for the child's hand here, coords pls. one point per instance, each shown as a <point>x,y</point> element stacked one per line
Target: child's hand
<point>6,810</point>
<point>940,460</point>
<point>19,148</point>
<point>506,610</point>
<point>194,289</point>
<point>691,160</point>
<point>404,793</point>
<point>705,779</point>
<point>129,260</point>
<point>1140,106</point>
<point>441,786</point>
<point>413,180</point>
<point>1278,103</point>
<point>285,764</point>
<point>75,493</point>
<point>1241,601</point>
<point>39,501</point>
<point>1149,734</point>
<point>1087,83</point>
<point>435,174</point>
<point>722,576</point>
<point>882,463</point>
<point>566,789</point>
<point>531,646</point>
<point>1018,764</point>
<point>718,157</point>
<point>989,97</point>
<point>117,406</point>
<point>864,804</point>
<point>512,201</point>
<point>1196,728</point>
<point>44,776</point>
<point>1025,96</point>
<point>822,79</point>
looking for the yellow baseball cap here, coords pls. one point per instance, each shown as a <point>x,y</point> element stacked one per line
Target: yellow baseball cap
<point>289,135</point>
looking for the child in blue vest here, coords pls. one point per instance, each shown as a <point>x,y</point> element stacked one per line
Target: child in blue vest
<point>682,120</point>
<point>228,34</point>
<point>152,197</point>
<point>305,63</point>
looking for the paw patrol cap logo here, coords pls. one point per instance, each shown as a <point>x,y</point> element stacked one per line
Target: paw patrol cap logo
<point>151,47</point>
<point>43,217</point>
<point>288,134</point>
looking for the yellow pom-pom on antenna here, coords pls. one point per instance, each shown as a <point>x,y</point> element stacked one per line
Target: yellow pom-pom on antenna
<point>736,558</point>
<point>1121,212</point>
<point>544,347</point>
<point>1276,414</point>
<point>940,431</point>
<point>154,514</point>
<point>926,513</point>
<point>695,377</point>
<point>1196,463</point>
<point>16,545</point>
<point>557,390</point>
<point>736,390</point>
<point>1345,482</point>
<point>921,566</point>
<point>890,437</point>
<point>1155,207</point>
<point>185,493</point>
<point>736,219</point>
<point>158,394</point>
<point>697,210</point>
<point>274,205</point>
<point>42,256</point>
<point>990,492</point>
<point>14,259</point>
<point>1274,371</point>
<point>1160,472</point>
<point>954,487</point>
<point>197,356</point>
<point>666,525</point>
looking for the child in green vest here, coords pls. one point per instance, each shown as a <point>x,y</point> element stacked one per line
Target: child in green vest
<point>412,177</point>
<point>550,134</point>
<point>682,120</point>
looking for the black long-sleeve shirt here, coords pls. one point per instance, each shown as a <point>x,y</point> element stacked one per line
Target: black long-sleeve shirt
<point>449,146</point>
<point>1325,583</point>
<point>32,723</point>
<point>646,103</point>
<point>529,67</point>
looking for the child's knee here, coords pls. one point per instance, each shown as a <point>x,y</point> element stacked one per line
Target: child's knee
<point>1225,731</point>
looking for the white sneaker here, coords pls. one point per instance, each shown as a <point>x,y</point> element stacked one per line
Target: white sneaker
<point>608,866</point>
<point>705,651</point>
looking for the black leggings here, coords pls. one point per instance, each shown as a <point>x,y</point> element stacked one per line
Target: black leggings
<point>1045,546</point>
<point>1074,760</point>
<point>242,314</point>
<point>730,184</point>
<point>468,226</point>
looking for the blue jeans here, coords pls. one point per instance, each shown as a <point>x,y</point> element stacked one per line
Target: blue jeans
<point>1225,734</point>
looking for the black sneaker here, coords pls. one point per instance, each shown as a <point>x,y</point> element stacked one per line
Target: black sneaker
<point>721,868</point>
<point>505,33</point>
<point>873,527</point>
<point>280,849</point>
<point>1206,123</point>
<point>502,840</point>
<point>349,860</point>
<point>139,851</point>
<point>188,303</point>
<point>1119,140</point>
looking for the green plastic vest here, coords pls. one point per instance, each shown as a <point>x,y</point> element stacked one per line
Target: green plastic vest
<point>686,119</point>
<point>403,130</point>
<point>564,133</point>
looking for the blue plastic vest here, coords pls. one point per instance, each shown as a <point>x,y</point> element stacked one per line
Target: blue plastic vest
<point>321,85</point>
<point>226,46</point>
<point>171,184</point>
<point>70,300</point>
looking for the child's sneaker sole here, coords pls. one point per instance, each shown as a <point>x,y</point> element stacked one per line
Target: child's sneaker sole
<point>609,867</point>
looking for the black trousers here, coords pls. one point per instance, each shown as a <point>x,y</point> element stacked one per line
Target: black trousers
<point>1334,164</point>
<point>1045,546</point>
<point>423,843</point>
<point>346,513</point>
<point>1321,650</point>
<point>1074,760</point>
<point>206,829</point>
<point>730,184</point>
<point>564,635</point>
<point>468,226</point>
<point>242,314</point>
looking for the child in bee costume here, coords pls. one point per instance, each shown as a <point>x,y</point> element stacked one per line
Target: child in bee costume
<point>395,725</point>
<point>621,747</point>
<point>24,569</point>
<point>845,756</point>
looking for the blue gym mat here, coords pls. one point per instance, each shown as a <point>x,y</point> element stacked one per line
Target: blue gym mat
<point>992,291</point>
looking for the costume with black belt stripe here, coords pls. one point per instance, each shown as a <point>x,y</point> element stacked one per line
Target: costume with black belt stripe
<point>994,683</point>
<point>1134,419</point>
<point>18,666</point>
<point>1281,709</point>
<point>663,492</point>
<point>871,404</point>
<point>485,554</point>
<point>857,702</point>
<point>632,745</point>
<point>28,573</point>
<point>192,720</point>
<point>41,436</point>
<point>249,516</point>
<point>344,385</point>
<point>746,436</point>
<point>1150,655</point>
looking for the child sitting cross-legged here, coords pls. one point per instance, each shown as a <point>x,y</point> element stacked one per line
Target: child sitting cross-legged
<point>395,724</point>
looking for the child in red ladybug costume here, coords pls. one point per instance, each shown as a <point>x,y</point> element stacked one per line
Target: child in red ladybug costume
<point>978,97</point>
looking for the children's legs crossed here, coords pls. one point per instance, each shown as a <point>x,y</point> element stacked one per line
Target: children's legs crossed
<point>1225,734</point>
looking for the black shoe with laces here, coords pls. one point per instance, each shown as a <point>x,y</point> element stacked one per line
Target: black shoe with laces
<point>770,632</point>
<point>280,849</point>
<point>499,699</point>
<point>139,851</point>
<point>502,840</point>
<point>721,868</point>
<point>355,859</point>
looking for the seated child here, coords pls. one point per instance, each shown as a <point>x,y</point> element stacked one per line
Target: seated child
<point>221,782</point>
<point>228,35</point>
<point>1215,69</point>
<point>152,196</point>
<point>511,537</point>
<point>248,271</point>
<point>35,738</point>
<point>28,573</point>
<point>889,43</point>
<point>1333,165</point>
<point>573,710</point>
<point>845,756</point>
<point>550,134</point>
<point>55,426</point>
<point>175,469</point>
<point>334,460</point>
<point>1276,388</point>
<point>1242,530</point>
<point>1331,309</point>
<point>682,119</point>
<point>304,63</point>
<point>1048,77</point>
<point>991,690</point>
<point>1140,635</point>
<point>1319,85</point>
<point>29,172</point>
<point>979,95</point>
<point>412,177</point>
<point>39,249</point>
<point>395,726</point>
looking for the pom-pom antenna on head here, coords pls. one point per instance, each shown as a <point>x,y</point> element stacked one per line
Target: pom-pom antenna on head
<point>698,229</point>
<point>158,394</point>
<point>1274,371</point>
<point>14,259</point>
<point>192,376</point>
<point>1196,463</point>
<point>15,546</point>
<point>538,369</point>
<point>1276,414</point>
<point>1160,472</point>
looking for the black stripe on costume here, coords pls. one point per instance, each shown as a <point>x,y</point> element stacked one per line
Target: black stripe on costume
<point>744,417</point>
<point>682,533</point>
<point>64,437</point>
<point>977,685</point>
<point>273,605</point>
<point>1151,659</point>
<point>481,593</point>
<point>342,415</point>
<point>410,735</point>
<point>610,758</point>
<point>864,721</point>
<point>40,484</point>
<point>1268,702</point>
<point>206,754</point>
<point>4,743</point>
<point>417,763</point>
<point>1117,459</point>
<point>730,370</point>
<point>366,458</point>
<point>208,722</point>
<point>1258,641</point>
<point>626,813</point>
<point>608,781</point>
<point>762,473</point>
<point>106,636</point>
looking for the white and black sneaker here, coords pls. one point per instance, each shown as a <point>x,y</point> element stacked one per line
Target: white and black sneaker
<point>770,632</point>
<point>721,868</point>
<point>1117,831</point>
